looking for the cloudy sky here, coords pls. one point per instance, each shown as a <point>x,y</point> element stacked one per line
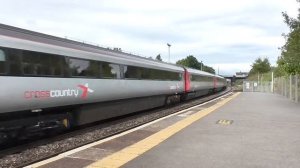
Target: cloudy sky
<point>228,35</point>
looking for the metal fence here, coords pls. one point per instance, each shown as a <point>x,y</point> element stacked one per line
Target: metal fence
<point>257,86</point>
<point>288,86</point>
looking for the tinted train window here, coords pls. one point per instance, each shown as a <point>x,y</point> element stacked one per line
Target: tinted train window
<point>85,68</point>
<point>180,76</point>
<point>30,62</point>
<point>18,62</point>
<point>133,72</point>
<point>201,78</point>
<point>174,76</point>
<point>193,78</point>
<point>14,59</point>
<point>94,69</point>
<point>41,64</point>
<point>150,74</point>
<point>2,62</point>
<point>110,70</point>
<point>51,64</point>
<point>146,73</point>
<point>154,74</point>
<point>164,75</point>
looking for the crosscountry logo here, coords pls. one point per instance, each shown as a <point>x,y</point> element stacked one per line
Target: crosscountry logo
<point>85,89</point>
<point>31,94</point>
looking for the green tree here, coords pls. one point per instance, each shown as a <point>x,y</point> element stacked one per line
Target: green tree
<point>289,60</point>
<point>209,69</point>
<point>192,62</point>
<point>279,70</point>
<point>158,57</point>
<point>260,66</point>
<point>189,61</point>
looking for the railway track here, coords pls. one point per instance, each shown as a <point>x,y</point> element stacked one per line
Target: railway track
<point>31,152</point>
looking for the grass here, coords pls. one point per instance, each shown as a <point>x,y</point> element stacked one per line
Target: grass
<point>266,77</point>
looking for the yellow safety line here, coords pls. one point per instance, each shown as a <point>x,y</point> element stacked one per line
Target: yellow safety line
<point>129,153</point>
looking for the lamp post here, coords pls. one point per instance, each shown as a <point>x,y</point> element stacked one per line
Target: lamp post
<point>201,66</point>
<point>169,46</point>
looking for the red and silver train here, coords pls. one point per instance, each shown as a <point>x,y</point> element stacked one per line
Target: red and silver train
<point>49,82</point>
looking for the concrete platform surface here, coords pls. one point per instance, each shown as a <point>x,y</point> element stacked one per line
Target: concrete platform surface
<point>252,130</point>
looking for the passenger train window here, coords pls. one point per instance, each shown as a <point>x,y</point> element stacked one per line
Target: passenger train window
<point>50,65</point>
<point>146,73</point>
<point>180,76</point>
<point>78,67</point>
<point>41,64</point>
<point>30,62</point>
<point>110,70</point>
<point>14,59</point>
<point>94,69</point>
<point>22,62</point>
<point>132,72</point>
<point>2,62</point>
<point>201,78</point>
<point>54,65</point>
<point>84,68</point>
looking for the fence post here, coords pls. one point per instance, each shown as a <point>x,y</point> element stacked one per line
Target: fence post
<point>285,87</point>
<point>272,84</point>
<point>291,92</point>
<point>296,88</point>
<point>282,86</point>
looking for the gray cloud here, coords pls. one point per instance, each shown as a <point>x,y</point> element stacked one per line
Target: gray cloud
<point>150,34</point>
<point>216,32</point>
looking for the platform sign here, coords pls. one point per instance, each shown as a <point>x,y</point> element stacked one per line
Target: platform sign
<point>254,86</point>
<point>247,85</point>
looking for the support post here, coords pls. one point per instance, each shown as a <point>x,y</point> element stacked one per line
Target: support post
<point>272,84</point>
<point>291,92</point>
<point>285,87</point>
<point>296,88</point>
<point>169,45</point>
<point>281,85</point>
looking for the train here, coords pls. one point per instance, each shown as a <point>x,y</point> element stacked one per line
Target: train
<point>49,82</point>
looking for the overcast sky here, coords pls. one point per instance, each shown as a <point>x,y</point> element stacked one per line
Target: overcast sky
<point>228,35</point>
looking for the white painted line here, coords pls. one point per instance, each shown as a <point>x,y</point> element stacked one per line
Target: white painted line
<point>186,114</point>
<point>65,154</point>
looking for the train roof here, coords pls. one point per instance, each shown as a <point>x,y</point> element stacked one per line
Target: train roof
<point>195,71</point>
<point>35,41</point>
<point>219,76</point>
<point>30,40</point>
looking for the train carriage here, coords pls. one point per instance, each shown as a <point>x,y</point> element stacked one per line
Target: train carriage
<point>49,82</point>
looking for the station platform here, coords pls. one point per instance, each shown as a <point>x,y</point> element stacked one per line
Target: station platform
<point>238,130</point>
